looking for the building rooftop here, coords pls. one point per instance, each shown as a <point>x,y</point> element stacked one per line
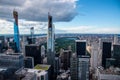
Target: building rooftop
<point>64,75</point>
<point>1,69</point>
<point>42,67</point>
<point>28,57</point>
<point>33,45</point>
<point>84,56</point>
<point>13,54</point>
<point>111,70</point>
<point>80,40</point>
<point>28,76</point>
<point>27,73</point>
<point>110,59</point>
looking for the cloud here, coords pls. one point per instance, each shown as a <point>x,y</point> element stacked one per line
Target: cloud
<point>37,10</point>
<point>10,3</point>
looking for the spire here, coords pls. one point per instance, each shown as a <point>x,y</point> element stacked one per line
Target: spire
<point>49,20</point>
<point>15,16</point>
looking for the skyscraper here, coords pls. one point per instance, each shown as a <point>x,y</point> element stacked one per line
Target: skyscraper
<point>100,49</point>
<point>50,42</point>
<point>116,54</point>
<point>1,43</point>
<point>115,39</point>
<point>83,67</point>
<point>28,62</point>
<point>80,47</point>
<point>13,60</point>
<point>73,67</point>
<point>65,59</point>
<point>16,31</point>
<point>32,34</point>
<point>57,65</point>
<point>94,55</point>
<point>34,50</point>
<point>106,52</point>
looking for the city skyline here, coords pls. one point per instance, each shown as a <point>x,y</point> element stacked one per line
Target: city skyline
<point>69,16</point>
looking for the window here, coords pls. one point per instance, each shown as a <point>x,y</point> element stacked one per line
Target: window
<point>42,77</point>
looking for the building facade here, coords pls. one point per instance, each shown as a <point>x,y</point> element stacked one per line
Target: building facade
<point>16,31</point>
<point>94,55</point>
<point>50,42</point>
<point>106,52</point>
<point>33,50</point>
<point>83,67</point>
<point>15,61</point>
<point>74,67</point>
<point>116,54</point>
<point>80,47</point>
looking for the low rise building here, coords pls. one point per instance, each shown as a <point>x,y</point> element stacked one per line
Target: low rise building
<point>31,74</point>
<point>108,74</point>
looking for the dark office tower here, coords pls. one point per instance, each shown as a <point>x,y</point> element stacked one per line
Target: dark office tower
<point>13,46</point>
<point>110,62</point>
<point>32,35</point>
<point>16,31</point>
<point>50,42</point>
<point>106,52</point>
<point>80,47</point>
<point>34,50</point>
<point>29,40</point>
<point>65,59</point>
<point>57,65</point>
<point>116,54</point>
<point>1,43</point>
<point>29,62</point>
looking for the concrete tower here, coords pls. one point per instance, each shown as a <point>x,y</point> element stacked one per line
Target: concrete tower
<point>94,55</point>
<point>115,39</point>
<point>16,31</point>
<point>50,42</point>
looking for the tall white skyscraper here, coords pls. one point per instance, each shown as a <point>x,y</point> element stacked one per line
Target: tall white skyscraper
<point>94,55</point>
<point>115,39</point>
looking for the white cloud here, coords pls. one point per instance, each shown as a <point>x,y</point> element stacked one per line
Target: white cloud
<point>37,10</point>
<point>34,10</point>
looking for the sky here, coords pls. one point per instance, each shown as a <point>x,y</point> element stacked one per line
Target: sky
<point>69,16</point>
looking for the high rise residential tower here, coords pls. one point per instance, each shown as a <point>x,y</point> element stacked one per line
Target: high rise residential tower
<point>50,42</point>
<point>16,31</point>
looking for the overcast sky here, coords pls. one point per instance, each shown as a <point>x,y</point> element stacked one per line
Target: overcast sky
<point>69,16</point>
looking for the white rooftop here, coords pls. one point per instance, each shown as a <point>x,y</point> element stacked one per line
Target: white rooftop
<point>80,40</point>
